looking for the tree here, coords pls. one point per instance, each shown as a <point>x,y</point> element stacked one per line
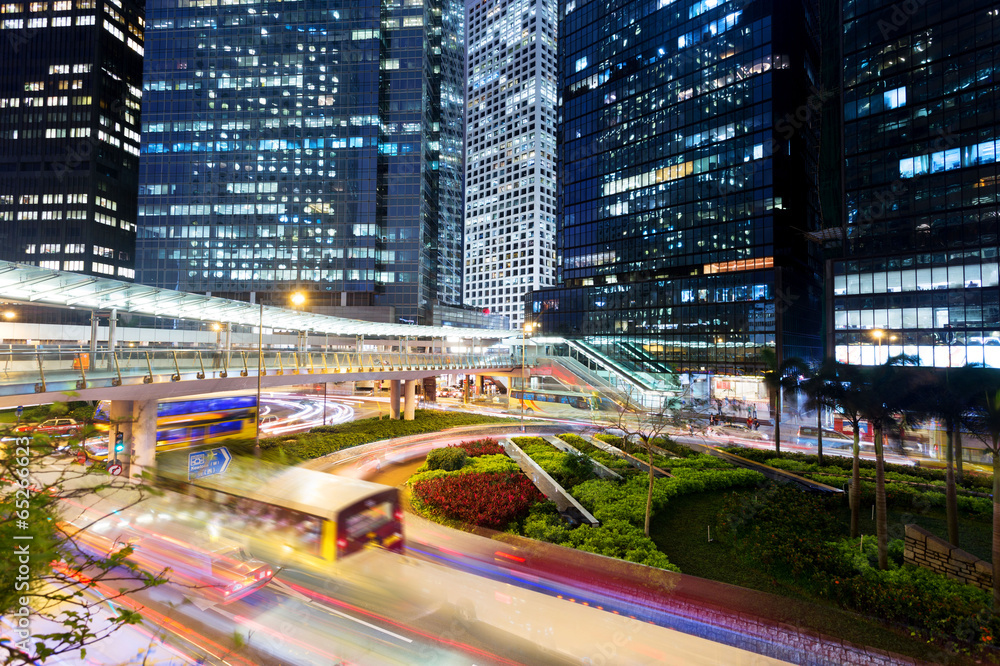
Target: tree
<point>985,424</point>
<point>780,377</point>
<point>881,393</point>
<point>843,392</point>
<point>820,395</point>
<point>51,571</point>
<point>948,395</point>
<point>644,426</point>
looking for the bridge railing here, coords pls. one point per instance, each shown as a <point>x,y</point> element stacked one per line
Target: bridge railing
<point>62,370</point>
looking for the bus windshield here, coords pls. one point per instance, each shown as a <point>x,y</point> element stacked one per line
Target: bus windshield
<point>367,520</point>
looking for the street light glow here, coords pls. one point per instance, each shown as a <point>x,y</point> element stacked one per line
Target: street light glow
<point>9,314</point>
<point>298,298</point>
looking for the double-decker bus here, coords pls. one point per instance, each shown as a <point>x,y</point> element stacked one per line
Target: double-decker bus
<point>310,517</point>
<point>190,422</point>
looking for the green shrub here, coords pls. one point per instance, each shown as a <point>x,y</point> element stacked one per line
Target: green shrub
<point>448,459</point>
<point>789,534</point>
<point>611,462</point>
<point>496,464</point>
<point>567,470</point>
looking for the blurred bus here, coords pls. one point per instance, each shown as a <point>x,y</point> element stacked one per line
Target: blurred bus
<point>190,422</point>
<point>312,517</point>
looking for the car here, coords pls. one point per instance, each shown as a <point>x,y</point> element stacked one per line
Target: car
<point>53,427</point>
<point>730,431</point>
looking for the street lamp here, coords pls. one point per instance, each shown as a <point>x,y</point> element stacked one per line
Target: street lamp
<point>525,331</point>
<point>878,334</point>
<point>9,315</point>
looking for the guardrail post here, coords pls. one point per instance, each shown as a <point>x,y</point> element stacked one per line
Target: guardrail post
<point>281,365</point>
<point>245,372</point>
<point>40,387</point>
<point>117,379</point>
<point>176,377</point>
<point>201,362</point>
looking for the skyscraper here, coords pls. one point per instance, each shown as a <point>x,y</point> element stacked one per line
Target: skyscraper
<point>918,271</point>
<point>688,181</point>
<point>297,147</point>
<point>510,183</point>
<point>70,89</point>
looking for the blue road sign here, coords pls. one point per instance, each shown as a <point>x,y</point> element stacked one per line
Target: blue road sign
<point>208,463</point>
<point>20,410</point>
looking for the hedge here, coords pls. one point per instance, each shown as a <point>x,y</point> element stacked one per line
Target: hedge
<point>970,480</point>
<point>567,469</point>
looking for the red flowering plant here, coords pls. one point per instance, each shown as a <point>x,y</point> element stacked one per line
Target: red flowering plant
<point>486,500</point>
<point>480,447</point>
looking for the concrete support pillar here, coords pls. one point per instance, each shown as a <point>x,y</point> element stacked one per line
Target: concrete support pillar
<point>112,330</point>
<point>410,399</point>
<point>394,399</point>
<point>94,324</point>
<point>136,421</point>
<point>228,338</point>
<point>143,438</point>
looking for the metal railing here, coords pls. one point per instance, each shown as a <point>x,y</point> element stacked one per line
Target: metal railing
<point>46,371</point>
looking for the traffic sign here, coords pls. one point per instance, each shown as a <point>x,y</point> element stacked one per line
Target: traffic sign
<point>114,469</point>
<point>20,410</point>
<point>208,463</point>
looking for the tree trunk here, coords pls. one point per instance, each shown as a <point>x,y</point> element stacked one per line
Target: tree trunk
<point>819,433</point>
<point>777,422</point>
<point>951,496</point>
<point>881,523</point>
<point>958,454</point>
<point>649,493</point>
<point>856,484</point>
<point>996,525</point>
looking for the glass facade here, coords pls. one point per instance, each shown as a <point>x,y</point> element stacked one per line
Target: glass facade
<point>687,157</point>
<point>510,152</point>
<point>919,269</point>
<point>292,146</point>
<point>70,94</point>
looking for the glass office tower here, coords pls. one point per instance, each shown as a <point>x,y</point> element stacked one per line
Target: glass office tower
<point>70,92</point>
<point>316,147</point>
<point>688,181</point>
<point>919,273</point>
<point>510,153</point>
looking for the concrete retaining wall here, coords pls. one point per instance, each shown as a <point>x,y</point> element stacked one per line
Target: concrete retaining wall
<point>923,549</point>
<point>545,483</point>
<point>631,460</point>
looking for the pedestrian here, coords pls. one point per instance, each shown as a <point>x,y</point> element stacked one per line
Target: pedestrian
<point>749,423</point>
<point>756,424</point>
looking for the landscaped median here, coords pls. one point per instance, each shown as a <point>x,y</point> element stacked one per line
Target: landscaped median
<point>619,505</point>
<point>323,440</point>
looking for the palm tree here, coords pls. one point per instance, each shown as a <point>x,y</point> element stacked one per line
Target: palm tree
<point>986,425</point>
<point>882,393</point>
<point>948,395</point>
<point>843,392</point>
<point>820,393</point>
<point>780,377</point>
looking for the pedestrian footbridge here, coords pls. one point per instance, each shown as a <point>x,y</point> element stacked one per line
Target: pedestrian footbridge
<point>51,376</point>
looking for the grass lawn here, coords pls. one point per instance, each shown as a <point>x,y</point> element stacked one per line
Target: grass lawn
<point>681,533</point>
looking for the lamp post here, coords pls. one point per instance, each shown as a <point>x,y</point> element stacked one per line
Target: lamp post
<point>525,331</point>
<point>260,368</point>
